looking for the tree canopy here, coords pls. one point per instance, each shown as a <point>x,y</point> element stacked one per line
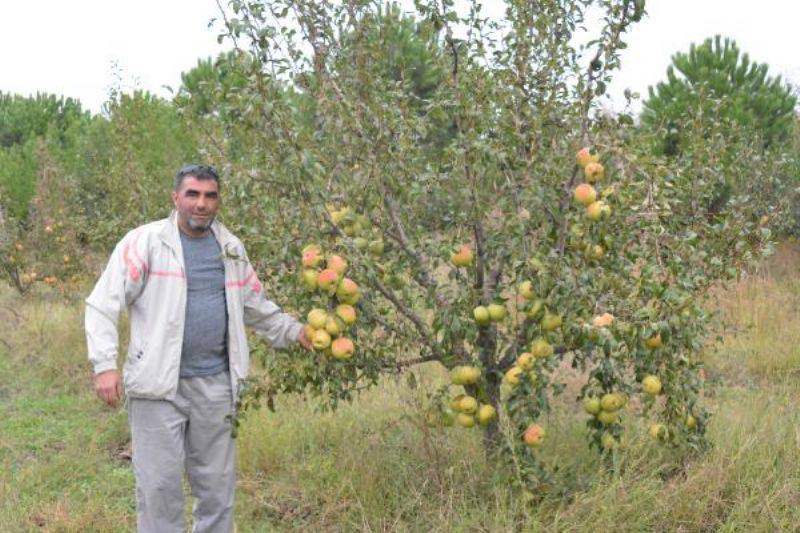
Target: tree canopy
<point>716,82</point>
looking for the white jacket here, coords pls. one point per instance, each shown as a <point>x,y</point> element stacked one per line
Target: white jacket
<point>146,275</point>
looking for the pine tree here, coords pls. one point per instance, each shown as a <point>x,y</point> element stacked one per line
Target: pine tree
<point>716,82</point>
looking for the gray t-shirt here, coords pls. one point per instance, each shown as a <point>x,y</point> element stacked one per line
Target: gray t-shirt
<point>204,350</point>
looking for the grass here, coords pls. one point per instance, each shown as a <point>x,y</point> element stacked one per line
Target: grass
<point>369,467</point>
<point>762,341</point>
<point>58,446</point>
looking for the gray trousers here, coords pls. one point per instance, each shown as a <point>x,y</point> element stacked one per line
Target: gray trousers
<point>189,432</point>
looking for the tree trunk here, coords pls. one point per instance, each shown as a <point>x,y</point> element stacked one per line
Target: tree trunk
<point>491,436</point>
<point>487,344</point>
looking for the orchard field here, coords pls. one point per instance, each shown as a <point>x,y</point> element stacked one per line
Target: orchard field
<point>528,312</point>
<point>371,467</point>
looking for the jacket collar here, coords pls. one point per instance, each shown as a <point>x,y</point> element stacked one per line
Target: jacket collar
<point>171,236</point>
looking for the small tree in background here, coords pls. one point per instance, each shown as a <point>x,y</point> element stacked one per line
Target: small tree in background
<point>715,90</point>
<point>714,82</point>
<point>31,128</point>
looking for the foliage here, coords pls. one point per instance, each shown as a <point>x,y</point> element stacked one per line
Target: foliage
<point>37,241</point>
<point>718,96</point>
<point>26,118</point>
<point>23,122</point>
<point>398,50</point>
<point>717,83</point>
<point>43,248</point>
<point>18,170</point>
<point>87,185</point>
<point>211,82</point>
<point>145,142</point>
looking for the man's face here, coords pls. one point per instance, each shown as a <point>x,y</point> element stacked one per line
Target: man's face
<point>197,202</point>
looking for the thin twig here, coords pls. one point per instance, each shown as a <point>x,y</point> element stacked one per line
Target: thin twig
<point>419,324</point>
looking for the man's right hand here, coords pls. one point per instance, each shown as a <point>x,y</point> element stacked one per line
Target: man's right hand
<point>108,387</point>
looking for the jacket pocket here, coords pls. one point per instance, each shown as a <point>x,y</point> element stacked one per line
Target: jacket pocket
<point>137,353</point>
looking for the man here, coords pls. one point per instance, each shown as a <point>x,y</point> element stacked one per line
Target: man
<point>190,291</point>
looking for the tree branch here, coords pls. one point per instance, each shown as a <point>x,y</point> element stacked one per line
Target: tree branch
<point>511,352</point>
<point>563,205</point>
<point>405,363</point>
<point>586,102</point>
<point>419,324</point>
<point>421,273</point>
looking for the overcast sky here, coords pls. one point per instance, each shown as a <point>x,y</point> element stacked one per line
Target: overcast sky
<point>70,47</point>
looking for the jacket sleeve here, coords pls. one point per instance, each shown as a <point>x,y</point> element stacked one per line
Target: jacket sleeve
<point>265,317</point>
<point>118,287</point>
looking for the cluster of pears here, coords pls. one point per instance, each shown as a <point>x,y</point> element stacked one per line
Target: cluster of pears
<point>326,275</point>
<point>51,228</point>
<point>463,257</point>
<point>652,385</point>
<point>533,306</point>
<point>484,315</point>
<point>606,408</point>
<point>660,431</point>
<point>31,277</point>
<point>468,410</point>
<point>326,327</point>
<point>358,227</point>
<point>585,193</point>
<point>539,349</point>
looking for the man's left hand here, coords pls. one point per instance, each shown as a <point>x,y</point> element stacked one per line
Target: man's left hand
<point>304,340</point>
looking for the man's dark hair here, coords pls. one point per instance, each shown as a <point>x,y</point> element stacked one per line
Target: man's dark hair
<point>200,172</point>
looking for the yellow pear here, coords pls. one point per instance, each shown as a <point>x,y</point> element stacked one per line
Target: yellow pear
<point>486,413</point>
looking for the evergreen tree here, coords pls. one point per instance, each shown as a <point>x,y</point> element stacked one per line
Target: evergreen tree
<point>712,83</point>
<point>406,54</point>
<point>25,122</point>
<point>23,118</point>
<point>212,82</point>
